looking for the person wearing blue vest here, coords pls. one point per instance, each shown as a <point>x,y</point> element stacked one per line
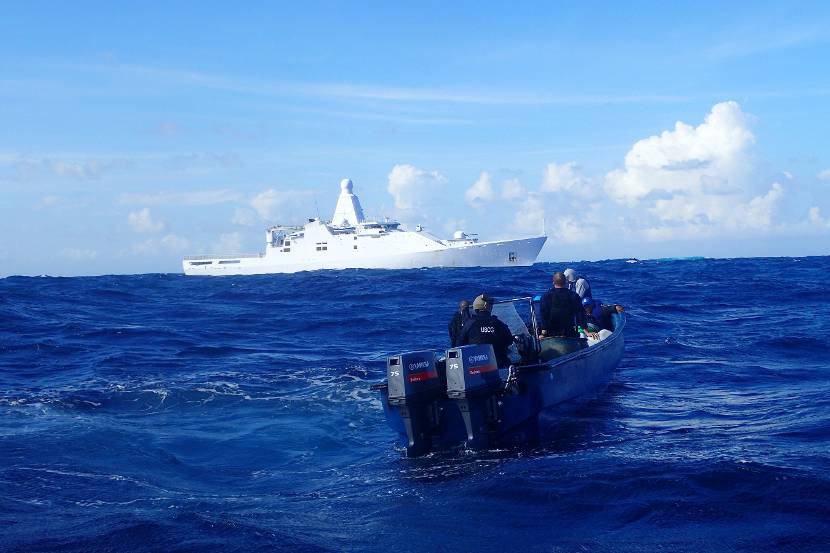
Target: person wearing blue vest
<point>598,316</point>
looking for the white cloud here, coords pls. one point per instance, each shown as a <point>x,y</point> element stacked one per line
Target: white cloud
<point>708,159</point>
<point>814,223</point>
<point>758,212</point>
<point>530,215</point>
<point>690,181</point>
<point>512,189</point>
<point>481,191</point>
<point>569,230</point>
<point>62,203</point>
<point>452,225</point>
<point>712,216</point>
<point>567,178</point>
<point>76,169</point>
<point>824,175</point>
<point>174,243</point>
<point>410,186</point>
<point>26,168</point>
<point>193,197</point>
<point>142,221</point>
<point>267,204</point>
<point>273,204</point>
<point>814,217</point>
<point>243,217</point>
<point>168,244</point>
<point>229,243</point>
<point>686,183</point>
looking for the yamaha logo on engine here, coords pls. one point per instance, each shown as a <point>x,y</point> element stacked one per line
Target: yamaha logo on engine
<point>418,365</point>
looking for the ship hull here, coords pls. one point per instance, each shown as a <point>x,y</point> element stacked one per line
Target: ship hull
<point>505,253</point>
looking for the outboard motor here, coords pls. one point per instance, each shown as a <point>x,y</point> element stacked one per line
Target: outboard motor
<point>474,383</point>
<point>414,388</point>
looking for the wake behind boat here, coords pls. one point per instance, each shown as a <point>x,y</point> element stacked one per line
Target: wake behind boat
<point>464,399</point>
<point>350,241</point>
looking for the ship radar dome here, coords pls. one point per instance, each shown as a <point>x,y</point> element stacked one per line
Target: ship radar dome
<point>459,235</point>
<point>346,185</point>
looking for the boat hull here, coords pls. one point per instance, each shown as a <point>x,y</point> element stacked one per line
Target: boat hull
<point>504,253</point>
<point>508,417</point>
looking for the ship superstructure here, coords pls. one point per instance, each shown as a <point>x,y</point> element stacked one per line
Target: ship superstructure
<point>350,241</point>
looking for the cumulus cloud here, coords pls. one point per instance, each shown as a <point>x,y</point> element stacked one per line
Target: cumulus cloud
<point>570,230</point>
<point>229,243</point>
<point>758,212</point>
<point>688,182</point>
<point>696,161</point>
<point>481,191</point>
<point>273,204</point>
<point>142,221</point>
<point>567,178</point>
<point>174,243</point>
<point>243,217</point>
<point>452,225</point>
<point>711,216</point>
<point>815,222</point>
<point>696,181</point>
<point>512,189</point>
<point>168,244</point>
<point>824,175</point>
<point>410,186</point>
<point>267,204</point>
<point>530,215</point>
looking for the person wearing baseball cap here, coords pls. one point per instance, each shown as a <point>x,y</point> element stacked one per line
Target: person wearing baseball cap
<point>485,328</point>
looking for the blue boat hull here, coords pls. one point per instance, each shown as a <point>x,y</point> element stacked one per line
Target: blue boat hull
<point>508,414</point>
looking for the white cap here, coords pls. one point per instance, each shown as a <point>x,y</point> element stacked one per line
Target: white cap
<point>570,275</point>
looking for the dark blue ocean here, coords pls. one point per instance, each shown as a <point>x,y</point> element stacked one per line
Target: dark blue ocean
<point>169,413</point>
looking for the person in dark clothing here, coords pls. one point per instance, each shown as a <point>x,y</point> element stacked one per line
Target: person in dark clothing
<point>561,309</point>
<point>458,320</point>
<point>598,316</point>
<point>485,328</point>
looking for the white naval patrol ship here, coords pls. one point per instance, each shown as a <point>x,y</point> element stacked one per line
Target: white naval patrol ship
<point>349,241</point>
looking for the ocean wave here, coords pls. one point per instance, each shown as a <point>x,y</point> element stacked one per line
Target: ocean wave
<point>158,412</point>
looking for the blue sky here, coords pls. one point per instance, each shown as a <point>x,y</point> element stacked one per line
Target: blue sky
<point>131,135</point>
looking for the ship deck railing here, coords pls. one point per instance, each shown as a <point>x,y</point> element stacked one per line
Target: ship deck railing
<point>223,256</point>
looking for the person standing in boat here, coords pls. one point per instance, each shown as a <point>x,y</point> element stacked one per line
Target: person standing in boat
<point>561,309</point>
<point>485,328</point>
<point>457,322</point>
<point>578,284</point>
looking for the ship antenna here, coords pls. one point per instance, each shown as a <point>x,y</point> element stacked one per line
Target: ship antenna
<point>316,207</point>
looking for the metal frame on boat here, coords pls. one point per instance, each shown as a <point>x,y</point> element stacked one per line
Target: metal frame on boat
<point>463,399</point>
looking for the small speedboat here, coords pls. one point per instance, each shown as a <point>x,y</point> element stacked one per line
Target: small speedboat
<point>461,398</point>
